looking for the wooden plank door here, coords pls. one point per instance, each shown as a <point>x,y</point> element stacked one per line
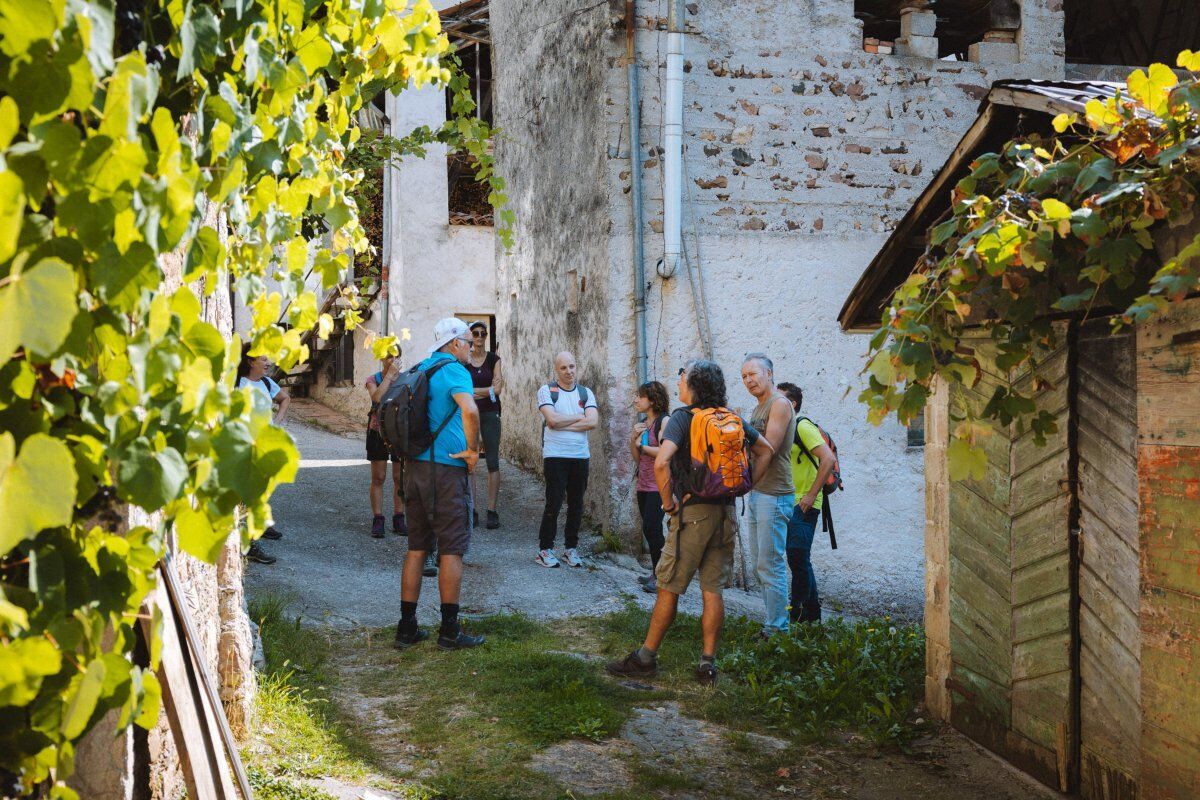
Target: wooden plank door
<point>1109,658</point>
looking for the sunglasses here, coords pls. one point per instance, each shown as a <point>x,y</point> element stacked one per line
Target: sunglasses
<point>477,334</point>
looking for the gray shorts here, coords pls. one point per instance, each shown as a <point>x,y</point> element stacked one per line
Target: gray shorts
<point>438,506</point>
<point>489,431</point>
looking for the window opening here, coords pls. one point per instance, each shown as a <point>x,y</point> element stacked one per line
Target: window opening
<point>1118,32</point>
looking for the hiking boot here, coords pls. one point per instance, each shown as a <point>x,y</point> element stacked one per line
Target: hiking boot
<point>706,673</point>
<point>430,569</point>
<point>407,637</point>
<point>459,640</point>
<point>646,579</point>
<point>258,555</point>
<point>571,558</point>
<point>650,586</point>
<point>632,667</point>
<point>493,520</point>
<point>546,558</point>
<point>399,525</point>
<point>377,526</point>
<point>272,533</point>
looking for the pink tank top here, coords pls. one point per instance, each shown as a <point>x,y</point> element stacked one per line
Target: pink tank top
<point>645,479</point>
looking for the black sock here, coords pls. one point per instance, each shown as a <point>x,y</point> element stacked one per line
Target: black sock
<point>408,613</point>
<point>449,618</point>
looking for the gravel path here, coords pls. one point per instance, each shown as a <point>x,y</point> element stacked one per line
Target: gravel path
<point>334,573</point>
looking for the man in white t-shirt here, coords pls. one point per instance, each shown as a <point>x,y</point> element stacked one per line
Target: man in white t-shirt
<point>569,411</point>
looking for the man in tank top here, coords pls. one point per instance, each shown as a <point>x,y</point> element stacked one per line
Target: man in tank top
<point>769,504</point>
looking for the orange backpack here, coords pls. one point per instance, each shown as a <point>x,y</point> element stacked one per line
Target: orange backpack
<point>720,456</point>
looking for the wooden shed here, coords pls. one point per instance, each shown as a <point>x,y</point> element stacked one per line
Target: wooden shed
<point>1062,591</point>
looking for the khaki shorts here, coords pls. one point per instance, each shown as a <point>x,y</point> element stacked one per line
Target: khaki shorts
<point>700,538</point>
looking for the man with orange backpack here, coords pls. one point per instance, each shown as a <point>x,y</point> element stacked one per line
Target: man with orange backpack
<point>703,465</point>
<point>814,461</point>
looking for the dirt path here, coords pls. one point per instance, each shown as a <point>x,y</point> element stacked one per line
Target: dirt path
<point>388,708</point>
<point>336,574</point>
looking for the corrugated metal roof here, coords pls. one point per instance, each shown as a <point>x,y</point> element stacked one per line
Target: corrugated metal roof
<point>892,265</point>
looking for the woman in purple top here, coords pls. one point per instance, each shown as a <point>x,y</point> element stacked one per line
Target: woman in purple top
<point>484,366</point>
<point>643,446</point>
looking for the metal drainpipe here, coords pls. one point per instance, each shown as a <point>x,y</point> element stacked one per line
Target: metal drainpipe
<point>673,142</point>
<point>635,163</point>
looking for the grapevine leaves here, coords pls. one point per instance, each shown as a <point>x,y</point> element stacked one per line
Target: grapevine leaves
<point>1046,224</point>
<point>37,306</point>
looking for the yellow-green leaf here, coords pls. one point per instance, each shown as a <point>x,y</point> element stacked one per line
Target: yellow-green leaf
<point>84,692</point>
<point>1189,60</point>
<point>1151,90</point>
<point>1064,121</point>
<point>37,307</point>
<point>37,487</point>
<point>964,460</point>
<point>197,536</point>
<point>10,121</point>
<point>1055,210</point>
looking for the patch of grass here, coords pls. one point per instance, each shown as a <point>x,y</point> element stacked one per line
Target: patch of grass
<point>610,542</point>
<point>652,779</point>
<point>298,731</point>
<point>274,787</point>
<point>865,676</point>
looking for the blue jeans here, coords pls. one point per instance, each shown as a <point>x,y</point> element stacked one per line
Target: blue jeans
<point>806,604</point>
<point>769,515</point>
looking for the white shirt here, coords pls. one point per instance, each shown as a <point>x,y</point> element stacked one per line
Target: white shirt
<point>566,444</point>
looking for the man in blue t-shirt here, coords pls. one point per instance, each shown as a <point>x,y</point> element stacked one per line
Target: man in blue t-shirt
<point>437,488</point>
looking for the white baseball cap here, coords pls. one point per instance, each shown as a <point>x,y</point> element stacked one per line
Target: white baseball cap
<point>446,331</point>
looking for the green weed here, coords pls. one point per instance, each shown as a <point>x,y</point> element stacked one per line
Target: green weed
<point>610,542</point>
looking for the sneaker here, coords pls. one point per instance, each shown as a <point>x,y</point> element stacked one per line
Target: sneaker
<point>272,533</point>
<point>377,526</point>
<point>257,554</point>
<point>493,520</point>
<point>706,673</point>
<point>459,640</point>
<point>632,667</point>
<point>572,558</point>
<point>399,525</point>
<point>430,569</point>
<point>407,638</point>
<point>546,558</point>
<point>651,586</point>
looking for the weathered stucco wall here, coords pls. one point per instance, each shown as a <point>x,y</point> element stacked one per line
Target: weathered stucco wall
<point>550,66</point>
<point>801,153</point>
<point>436,269</point>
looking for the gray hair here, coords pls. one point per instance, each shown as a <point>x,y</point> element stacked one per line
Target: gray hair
<point>762,358</point>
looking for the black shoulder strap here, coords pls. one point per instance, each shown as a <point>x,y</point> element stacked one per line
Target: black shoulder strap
<point>553,387</point>
<point>800,442</point>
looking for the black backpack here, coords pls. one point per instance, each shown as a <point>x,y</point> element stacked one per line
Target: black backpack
<point>404,412</point>
<point>832,484</point>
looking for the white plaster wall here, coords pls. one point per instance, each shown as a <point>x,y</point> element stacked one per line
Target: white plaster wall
<point>435,269</point>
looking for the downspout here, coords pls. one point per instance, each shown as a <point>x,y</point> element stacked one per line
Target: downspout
<point>635,164</point>
<point>673,142</point>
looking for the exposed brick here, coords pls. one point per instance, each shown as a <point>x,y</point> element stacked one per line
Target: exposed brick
<point>719,182</point>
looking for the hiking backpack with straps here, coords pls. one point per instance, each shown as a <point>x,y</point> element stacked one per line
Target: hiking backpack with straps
<point>555,389</point>
<point>832,484</point>
<point>719,457</point>
<point>404,412</point>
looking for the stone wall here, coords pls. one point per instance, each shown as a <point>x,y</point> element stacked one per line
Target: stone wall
<point>802,152</point>
<point>550,66</point>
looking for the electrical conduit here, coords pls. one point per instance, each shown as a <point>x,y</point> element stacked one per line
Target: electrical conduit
<point>635,164</point>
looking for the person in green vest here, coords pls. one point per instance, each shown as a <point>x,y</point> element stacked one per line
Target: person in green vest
<point>809,471</point>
